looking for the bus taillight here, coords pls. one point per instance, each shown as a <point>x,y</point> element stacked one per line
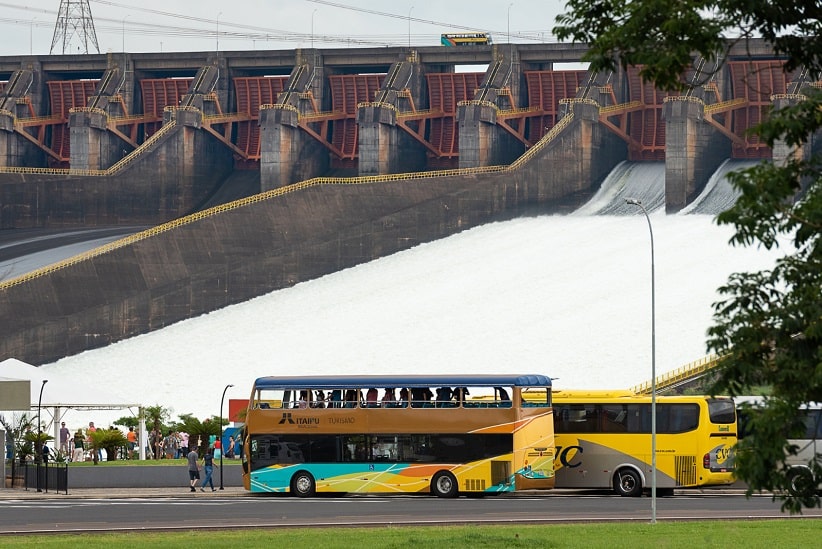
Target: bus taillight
<point>706,460</point>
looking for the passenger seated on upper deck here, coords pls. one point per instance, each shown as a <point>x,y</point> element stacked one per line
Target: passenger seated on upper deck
<point>351,398</point>
<point>319,402</point>
<point>371,398</point>
<point>336,399</point>
<point>303,401</point>
<point>403,400</point>
<point>417,397</point>
<point>460,393</point>
<point>389,400</point>
<point>444,397</point>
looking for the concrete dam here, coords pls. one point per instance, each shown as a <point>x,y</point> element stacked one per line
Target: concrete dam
<point>259,170</point>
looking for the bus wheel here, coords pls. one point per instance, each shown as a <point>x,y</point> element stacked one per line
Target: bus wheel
<point>800,482</point>
<point>444,485</point>
<point>303,485</point>
<point>627,483</point>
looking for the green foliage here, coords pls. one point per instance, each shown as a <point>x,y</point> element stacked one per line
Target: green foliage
<point>128,421</point>
<point>16,428</point>
<point>197,430</point>
<point>767,325</point>
<point>109,440</point>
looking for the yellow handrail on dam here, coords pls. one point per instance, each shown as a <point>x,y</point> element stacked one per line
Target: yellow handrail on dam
<point>268,195</point>
<point>689,372</point>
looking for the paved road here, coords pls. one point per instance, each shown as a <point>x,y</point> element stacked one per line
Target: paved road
<point>24,250</point>
<point>179,509</point>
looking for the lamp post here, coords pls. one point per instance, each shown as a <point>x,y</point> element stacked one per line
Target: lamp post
<point>222,450</point>
<point>635,202</point>
<point>409,25</point>
<point>312,27</point>
<point>509,21</point>
<point>218,30</point>
<point>124,32</point>
<point>38,448</point>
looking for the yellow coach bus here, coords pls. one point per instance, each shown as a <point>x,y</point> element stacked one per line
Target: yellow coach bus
<point>603,440</point>
<point>398,434</point>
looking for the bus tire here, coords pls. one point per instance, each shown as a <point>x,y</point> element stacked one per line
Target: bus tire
<point>627,483</point>
<point>303,484</point>
<point>800,482</point>
<point>444,485</point>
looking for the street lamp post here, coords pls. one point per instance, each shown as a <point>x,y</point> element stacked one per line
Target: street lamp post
<point>509,21</point>
<point>222,450</point>
<point>635,202</point>
<point>124,32</point>
<point>312,27</point>
<point>38,448</point>
<point>218,30</point>
<point>409,25</point>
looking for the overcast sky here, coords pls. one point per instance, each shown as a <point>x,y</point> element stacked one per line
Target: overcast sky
<point>173,25</point>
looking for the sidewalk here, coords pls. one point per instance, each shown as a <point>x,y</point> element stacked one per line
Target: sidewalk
<point>117,493</point>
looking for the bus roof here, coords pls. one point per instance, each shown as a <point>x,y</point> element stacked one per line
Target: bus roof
<point>398,381</point>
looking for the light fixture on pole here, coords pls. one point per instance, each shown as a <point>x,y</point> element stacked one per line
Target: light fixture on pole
<point>124,32</point>
<point>218,30</point>
<point>38,448</point>
<point>312,27</point>
<point>222,450</point>
<point>31,33</point>
<point>409,25</point>
<point>509,21</point>
<point>635,202</point>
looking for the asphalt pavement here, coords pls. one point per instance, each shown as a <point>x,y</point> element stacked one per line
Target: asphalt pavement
<point>119,493</point>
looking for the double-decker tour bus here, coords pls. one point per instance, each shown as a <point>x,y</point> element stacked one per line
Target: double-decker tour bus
<point>603,440</point>
<point>398,434</point>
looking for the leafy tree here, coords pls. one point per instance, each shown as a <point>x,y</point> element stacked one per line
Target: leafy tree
<point>198,431</point>
<point>15,431</point>
<point>768,325</point>
<point>109,440</point>
<point>156,416</point>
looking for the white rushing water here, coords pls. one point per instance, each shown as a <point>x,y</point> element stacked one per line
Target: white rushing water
<point>566,296</point>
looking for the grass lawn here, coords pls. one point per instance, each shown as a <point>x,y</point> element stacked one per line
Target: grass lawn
<point>796,532</point>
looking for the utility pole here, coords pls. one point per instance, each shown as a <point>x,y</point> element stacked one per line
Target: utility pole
<point>74,26</point>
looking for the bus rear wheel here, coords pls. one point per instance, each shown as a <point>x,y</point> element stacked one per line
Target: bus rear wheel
<point>800,482</point>
<point>444,485</point>
<point>303,485</point>
<point>627,483</point>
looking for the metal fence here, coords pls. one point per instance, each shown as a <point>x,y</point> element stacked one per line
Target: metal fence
<point>43,477</point>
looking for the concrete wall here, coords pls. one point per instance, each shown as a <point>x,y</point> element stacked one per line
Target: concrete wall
<point>276,240</point>
<point>173,477</point>
<point>183,169</point>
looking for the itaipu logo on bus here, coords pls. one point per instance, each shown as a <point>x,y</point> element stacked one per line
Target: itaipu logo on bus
<point>299,421</point>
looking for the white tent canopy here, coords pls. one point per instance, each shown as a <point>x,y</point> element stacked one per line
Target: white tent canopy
<point>61,393</point>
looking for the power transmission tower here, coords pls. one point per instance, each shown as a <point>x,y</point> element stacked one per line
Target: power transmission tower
<point>75,25</point>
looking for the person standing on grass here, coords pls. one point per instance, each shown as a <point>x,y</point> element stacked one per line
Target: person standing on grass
<point>131,437</point>
<point>193,468</point>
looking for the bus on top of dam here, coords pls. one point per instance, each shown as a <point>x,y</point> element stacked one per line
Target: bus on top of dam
<point>466,39</point>
<point>398,434</point>
<point>603,440</point>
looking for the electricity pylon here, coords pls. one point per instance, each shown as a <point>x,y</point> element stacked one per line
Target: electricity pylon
<point>75,25</point>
